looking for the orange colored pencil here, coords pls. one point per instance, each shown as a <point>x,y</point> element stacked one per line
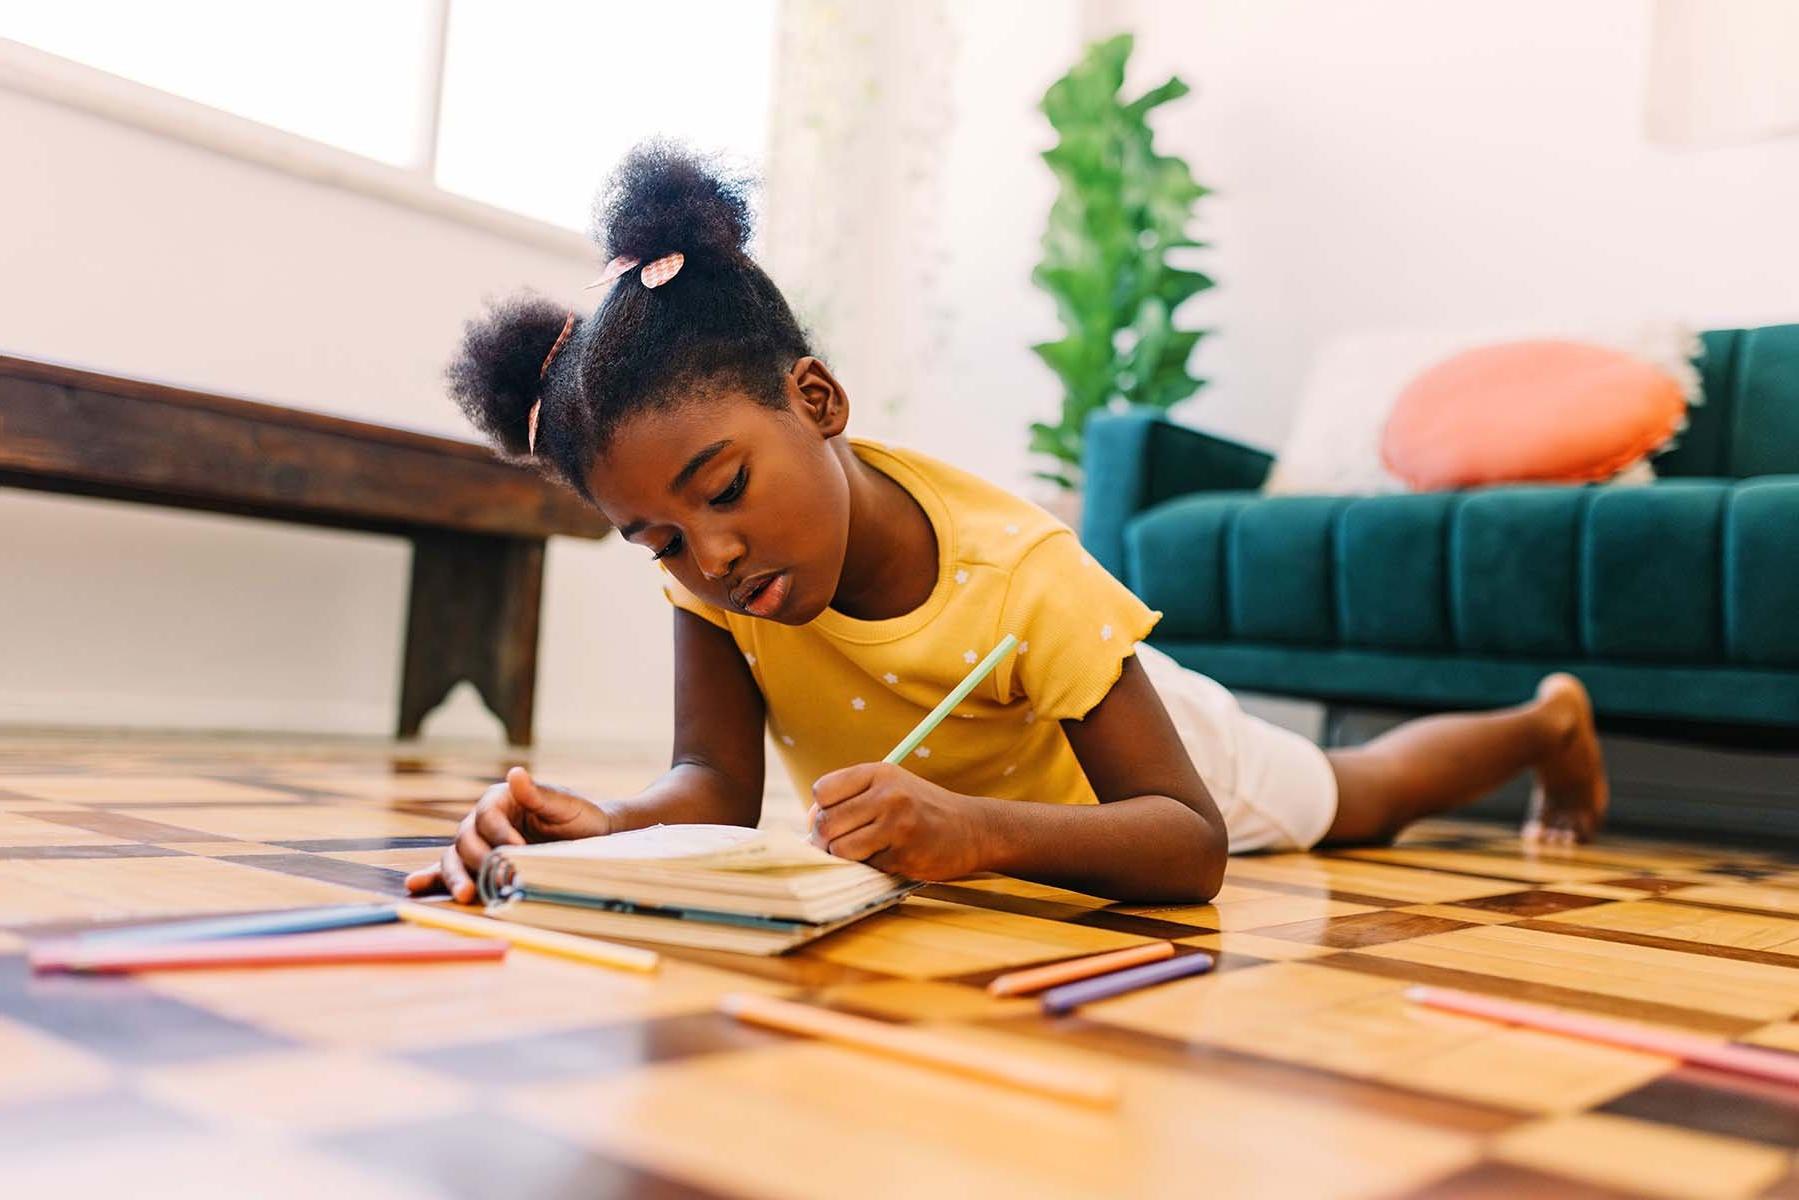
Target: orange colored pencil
<point>1023,983</point>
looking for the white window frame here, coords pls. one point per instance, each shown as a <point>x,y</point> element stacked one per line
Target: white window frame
<point>38,73</point>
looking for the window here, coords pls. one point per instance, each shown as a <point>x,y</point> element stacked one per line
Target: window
<point>345,72</point>
<point>520,104</point>
<point>541,99</point>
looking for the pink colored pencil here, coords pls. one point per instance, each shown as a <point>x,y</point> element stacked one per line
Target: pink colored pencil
<point>299,950</point>
<point>1035,979</point>
<point>1687,1047</point>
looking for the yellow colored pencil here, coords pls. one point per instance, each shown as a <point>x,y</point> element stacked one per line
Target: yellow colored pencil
<point>1058,1080</point>
<point>526,937</point>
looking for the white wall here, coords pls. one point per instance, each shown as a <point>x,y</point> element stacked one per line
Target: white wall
<point>1397,163</point>
<point>124,251</point>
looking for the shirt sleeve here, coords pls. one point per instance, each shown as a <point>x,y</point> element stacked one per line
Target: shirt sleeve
<point>680,597</point>
<point>1075,626</point>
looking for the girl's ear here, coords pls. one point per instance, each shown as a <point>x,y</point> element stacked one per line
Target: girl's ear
<point>816,394</point>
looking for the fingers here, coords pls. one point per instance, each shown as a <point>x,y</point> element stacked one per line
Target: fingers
<point>455,876</point>
<point>492,825</point>
<point>424,879</point>
<point>838,786</point>
<point>829,824</point>
<point>524,790</point>
<point>465,858</point>
<point>865,843</point>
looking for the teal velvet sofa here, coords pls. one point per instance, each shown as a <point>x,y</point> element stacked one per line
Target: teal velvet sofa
<point>1676,602</point>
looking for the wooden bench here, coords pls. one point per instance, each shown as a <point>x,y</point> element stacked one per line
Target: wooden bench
<point>477,525</point>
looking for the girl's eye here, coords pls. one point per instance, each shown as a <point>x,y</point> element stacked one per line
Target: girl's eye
<point>734,490</point>
<point>673,547</point>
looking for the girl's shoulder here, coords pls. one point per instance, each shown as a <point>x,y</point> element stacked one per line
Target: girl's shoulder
<point>992,526</point>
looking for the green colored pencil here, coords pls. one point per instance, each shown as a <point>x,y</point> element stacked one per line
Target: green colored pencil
<point>932,719</point>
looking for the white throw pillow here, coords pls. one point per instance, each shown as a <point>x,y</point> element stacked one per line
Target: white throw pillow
<point>1334,447</point>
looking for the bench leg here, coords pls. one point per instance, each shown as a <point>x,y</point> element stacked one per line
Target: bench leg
<point>473,615</point>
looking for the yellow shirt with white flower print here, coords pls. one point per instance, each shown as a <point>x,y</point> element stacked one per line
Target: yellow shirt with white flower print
<point>841,691</point>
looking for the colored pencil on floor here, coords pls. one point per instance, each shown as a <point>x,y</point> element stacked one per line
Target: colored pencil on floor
<point>1720,1056</point>
<point>542,941</point>
<point>993,1064</point>
<point>265,924</point>
<point>336,947</point>
<point>1060,1000</point>
<point>1035,979</point>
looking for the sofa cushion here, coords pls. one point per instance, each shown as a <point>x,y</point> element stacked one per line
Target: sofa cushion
<point>1650,565</point>
<point>1690,571</point>
<point>1538,411</point>
<point>1392,572</point>
<point>1749,422</point>
<point>1515,569</point>
<point>1280,578</point>
<point>1176,551</point>
<point>1761,573</point>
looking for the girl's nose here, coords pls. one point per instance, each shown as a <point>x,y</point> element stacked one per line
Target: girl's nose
<point>717,557</point>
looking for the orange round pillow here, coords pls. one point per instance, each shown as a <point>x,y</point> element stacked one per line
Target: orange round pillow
<point>1536,411</point>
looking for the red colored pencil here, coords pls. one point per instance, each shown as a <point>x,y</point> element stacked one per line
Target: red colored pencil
<point>299,950</point>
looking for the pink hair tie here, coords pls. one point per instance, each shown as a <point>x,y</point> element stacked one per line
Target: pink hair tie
<point>655,275</point>
<point>568,327</point>
<point>663,269</point>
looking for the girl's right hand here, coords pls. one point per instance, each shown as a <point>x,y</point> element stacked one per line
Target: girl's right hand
<point>508,814</point>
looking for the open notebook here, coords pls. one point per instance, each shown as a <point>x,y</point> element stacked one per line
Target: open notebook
<point>717,887</point>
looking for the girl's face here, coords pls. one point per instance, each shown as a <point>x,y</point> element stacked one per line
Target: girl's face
<point>746,505</point>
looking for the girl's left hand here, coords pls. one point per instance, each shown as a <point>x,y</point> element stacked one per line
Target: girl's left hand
<point>896,822</point>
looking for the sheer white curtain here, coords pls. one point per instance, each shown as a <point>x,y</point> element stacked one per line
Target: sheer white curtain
<point>853,227</point>
<point>1723,71</point>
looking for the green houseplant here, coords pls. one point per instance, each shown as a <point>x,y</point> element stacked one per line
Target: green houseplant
<point>1119,211</point>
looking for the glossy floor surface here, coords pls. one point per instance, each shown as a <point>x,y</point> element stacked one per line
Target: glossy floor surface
<point>1297,1068</point>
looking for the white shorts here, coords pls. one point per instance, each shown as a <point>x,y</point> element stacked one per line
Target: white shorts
<point>1275,788</point>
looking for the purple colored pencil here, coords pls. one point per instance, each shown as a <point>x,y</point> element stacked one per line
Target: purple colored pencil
<point>1064,999</point>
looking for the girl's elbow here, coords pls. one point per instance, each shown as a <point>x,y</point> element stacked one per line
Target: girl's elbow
<point>1191,876</point>
<point>1211,855</point>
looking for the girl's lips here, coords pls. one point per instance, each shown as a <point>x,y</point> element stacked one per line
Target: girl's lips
<point>767,601</point>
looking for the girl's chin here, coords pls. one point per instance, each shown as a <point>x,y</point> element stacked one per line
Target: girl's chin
<point>801,608</point>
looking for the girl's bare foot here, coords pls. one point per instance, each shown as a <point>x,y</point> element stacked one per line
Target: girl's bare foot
<point>1569,801</point>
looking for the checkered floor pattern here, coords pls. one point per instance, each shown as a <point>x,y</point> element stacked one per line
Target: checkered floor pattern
<point>1297,1068</point>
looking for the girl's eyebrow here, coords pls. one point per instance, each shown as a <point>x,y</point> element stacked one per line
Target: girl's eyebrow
<point>706,455</point>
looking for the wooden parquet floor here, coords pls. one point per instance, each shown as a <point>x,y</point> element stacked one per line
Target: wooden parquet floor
<point>1297,1068</point>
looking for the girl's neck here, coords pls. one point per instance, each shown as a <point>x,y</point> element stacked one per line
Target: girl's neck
<point>890,562</point>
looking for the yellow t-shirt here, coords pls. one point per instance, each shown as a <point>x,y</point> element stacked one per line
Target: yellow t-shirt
<point>842,691</point>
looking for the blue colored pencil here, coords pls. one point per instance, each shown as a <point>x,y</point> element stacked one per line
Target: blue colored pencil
<point>1064,999</point>
<point>298,920</point>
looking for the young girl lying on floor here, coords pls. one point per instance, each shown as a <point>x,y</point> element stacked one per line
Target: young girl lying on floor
<point>836,589</point>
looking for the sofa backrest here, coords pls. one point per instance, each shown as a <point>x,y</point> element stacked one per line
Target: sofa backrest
<point>1749,423</point>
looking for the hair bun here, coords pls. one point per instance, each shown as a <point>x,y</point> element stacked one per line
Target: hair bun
<point>495,379</point>
<point>665,197</point>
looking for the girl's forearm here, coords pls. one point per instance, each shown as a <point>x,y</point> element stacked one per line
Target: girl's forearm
<point>1147,849</point>
<point>687,793</point>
